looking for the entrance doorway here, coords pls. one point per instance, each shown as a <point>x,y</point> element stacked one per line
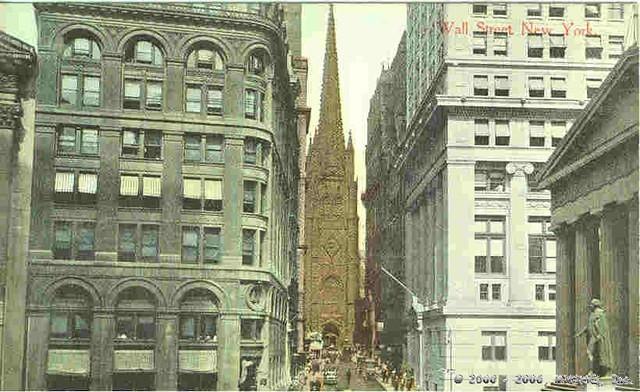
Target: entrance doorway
<point>330,335</point>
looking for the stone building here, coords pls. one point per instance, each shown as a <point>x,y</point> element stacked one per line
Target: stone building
<point>17,114</point>
<point>165,188</point>
<point>383,201</point>
<point>593,178</point>
<point>331,262</point>
<point>489,97</point>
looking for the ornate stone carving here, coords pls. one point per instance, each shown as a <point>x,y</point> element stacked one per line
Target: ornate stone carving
<point>255,296</point>
<point>519,168</point>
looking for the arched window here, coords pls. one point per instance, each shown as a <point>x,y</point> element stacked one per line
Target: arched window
<point>144,52</point>
<point>199,317</point>
<point>256,64</point>
<point>205,58</point>
<point>71,314</point>
<point>135,315</point>
<point>82,47</point>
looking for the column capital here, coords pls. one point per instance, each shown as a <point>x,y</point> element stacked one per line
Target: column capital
<point>519,168</point>
<point>588,220</point>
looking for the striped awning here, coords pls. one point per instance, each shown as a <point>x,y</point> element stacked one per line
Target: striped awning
<point>129,185</point>
<point>88,183</point>
<point>64,182</point>
<point>151,186</point>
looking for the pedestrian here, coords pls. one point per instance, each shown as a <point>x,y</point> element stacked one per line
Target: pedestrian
<point>348,377</point>
<point>395,382</point>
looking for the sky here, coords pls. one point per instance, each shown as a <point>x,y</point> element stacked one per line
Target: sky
<point>367,36</point>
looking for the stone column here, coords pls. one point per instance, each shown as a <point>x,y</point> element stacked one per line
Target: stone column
<point>102,334</point>
<point>232,193</point>
<point>586,256</point>
<point>233,93</point>
<point>167,352</point>
<point>408,246</point>
<point>429,251</point>
<point>565,300</point>
<point>171,202</point>
<point>174,86</point>
<point>516,249</point>
<point>108,194</point>
<point>424,234</point>
<point>42,194</point>
<point>633,294</point>
<point>613,281</point>
<point>37,350</point>
<point>229,352</point>
<point>111,86</point>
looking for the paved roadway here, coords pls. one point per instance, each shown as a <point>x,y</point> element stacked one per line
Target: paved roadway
<point>358,382</point>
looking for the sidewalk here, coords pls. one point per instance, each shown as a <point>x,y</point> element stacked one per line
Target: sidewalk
<point>387,387</point>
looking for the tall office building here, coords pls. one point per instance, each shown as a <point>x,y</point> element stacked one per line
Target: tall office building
<point>165,187</point>
<point>491,90</point>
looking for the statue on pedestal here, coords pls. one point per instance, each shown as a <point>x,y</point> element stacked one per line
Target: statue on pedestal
<point>598,340</point>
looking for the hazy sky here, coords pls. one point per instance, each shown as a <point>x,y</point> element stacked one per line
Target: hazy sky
<point>367,37</point>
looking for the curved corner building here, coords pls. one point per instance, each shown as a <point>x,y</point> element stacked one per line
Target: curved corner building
<point>164,197</point>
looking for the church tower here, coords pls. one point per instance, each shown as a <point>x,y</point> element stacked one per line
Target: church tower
<point>331,263</point>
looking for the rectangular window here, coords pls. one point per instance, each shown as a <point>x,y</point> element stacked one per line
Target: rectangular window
<point>484,292</point>
<point>249,201</point>
<point>558,87</point>
<point>489,178</point>
<point>130,142</point>
<point>534,10</point>
<point>481,132</point>
<point>144,52</point>
<point>503,135</point>
<point>616,11</point>
<point>194,99</point>
<point>132,94</point>
<point>593,85</point>
<point>66,140</point>
<point>251,329</point>
<point>154,95</point>
<point>499,9</point>
<point>535,47</point>
<point>212,254</point>
<point>539,292</point>
<point>556,11</point>
<point>552,292</point>
<point>593,48</point>
<point>479,8</point>
<point>536,87</point>
<point>536,133</point>
<point>89,141</point>
<point>81,47</point>
<point>77,141</point>
<point>151,191</point>
<point>251,104</point>
<point>201,327</point>
<point>496,292</point>
<point>501,86</point>
<point>558,130</point>
<point>150,243</point>
<point>64,186</point>
<point>190,245</point>
<point>69,94</point>
<point>263,199</point>
<point>153,144</point>
<point>192,194</point>
<point>542,246</point>
<point>86,241</point>
<point>546,346</point>
<point>592,10</point>
<point>557,46</point>
<point>250,151</point>
<point>480,42</point>
<point>87,187</point>
<point>192,148</point>
<point>214,149</point>
<point>129,185</point>
<point>481,85</point>
<point>248,245</point>
<point>494,346</point>
<point>489,244</point>
<point>127,242</point>
<point>616,46</point>
<point>62,241</point>
<point>213,195</point>
<point>214,101</point>
<point>500,44</point>
<point>91,93</point>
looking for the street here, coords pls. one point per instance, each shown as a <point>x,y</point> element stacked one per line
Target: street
<point>358,382</point>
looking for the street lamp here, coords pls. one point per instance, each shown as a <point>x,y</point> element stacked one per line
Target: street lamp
<point>418,308</point>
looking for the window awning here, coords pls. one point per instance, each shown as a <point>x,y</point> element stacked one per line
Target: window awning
<point>497,248</point>
<point>502,128</point>
<point>536,129</point>
<point>557,41</point>
<point>129,185</point>
<point>502,82</point>
<point>558,84</point>
<point>500,42</point>
<point>133,360</point>
<point>151,186</point>
<point>480,247</point>
<point>481,82</point>
<point>593,41</point>
<point>88,183</point>
<point>535,41</point>
<point>593,83</point>
<point>197,361</point>
<point>536,84</point>
<point>192,188</point>
<point>479,40</point>
<point>64,182</point>
<point>213,189</point>
<point>68,362</point>
<point>558,130</point>
<point>482,128</point>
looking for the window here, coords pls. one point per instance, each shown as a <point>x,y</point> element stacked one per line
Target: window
<point>137,193</point>
<point>248,244</point>
<point>205,59</point>
<point>213,195</point>
<point>210,248</point>
<point>198,327</point>
<point>480,42</point>
<point>135,326</point>
<point>494,346</point>
<point>192,147</point>
<point>91,91</point>
<point>133,139</point>
<point>132,94</point>
<point>75,187</point>
<point>557,46</point>
<point>251,329</point>
<point>539,292</point>
<point>489,177</point>
<point>502,133</point>
<point>558,130</point>
<point>137,91</point>
<point>552,292</point>
<point>127,242</point>
<point>138,242</point>
<point>616,11</point>
<point>489,243</point>
<point>249,201</point>
<point>593,48</point>
<point>196,95</point>
<point>556,11</point>
<point>71,324</point>
<point>479,9</point>
<point>481,85</point>
<point>82,48</point>
<point>534,45</point>
<point>90,88</point>
<point>251,104</point>
<point>501,86</point>
<point>256,64</point>
<point>536,133</point>
<point>74,141</point>
<point>194,99</point>
<point>546,346</point>
<point>496,292</point>
<point>192,194</point>
<point>484,292</point>
<point>144,52</point>
<point>263,199</point>
<point>190,244</point>
<point>592,10</point>
<point>69,91</point>
<point>74,240</point>
<point>500,44</point>
<point>214,149</point>
<point>542,246</point>
<point>214,100</point>
<point>593,85</point>
<point>154,96</point>
<point>481,132</point>
<point>500,9</point>
<point>195,199</point>
<point>616,46</point>
<point>250,150</point>
<point>558,87</point>
<point>534,10</point>
<point>536,87</point>
<point>212,245</point>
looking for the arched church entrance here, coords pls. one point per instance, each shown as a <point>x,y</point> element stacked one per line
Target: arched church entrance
<point>330,335</point>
